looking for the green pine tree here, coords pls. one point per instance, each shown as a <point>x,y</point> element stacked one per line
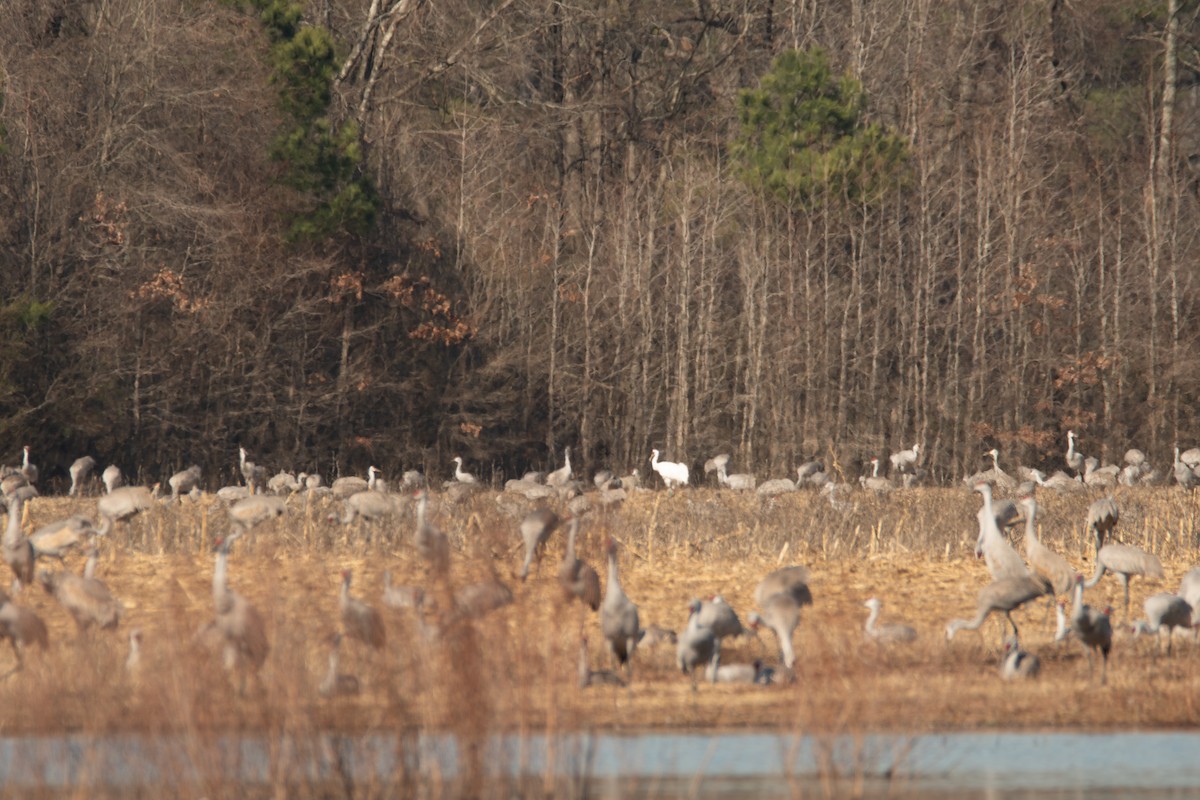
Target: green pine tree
<point>804,140</point>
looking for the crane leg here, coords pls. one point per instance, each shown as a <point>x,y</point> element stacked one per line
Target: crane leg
<point>1125,583</point>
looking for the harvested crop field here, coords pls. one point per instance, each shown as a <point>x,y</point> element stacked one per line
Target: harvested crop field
<point>515,670</point>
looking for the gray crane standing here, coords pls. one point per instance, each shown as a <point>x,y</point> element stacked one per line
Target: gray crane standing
<point>17,550</point>
<point>359,620</point>
<point>536,528</point>
<point>1045,562</point>
<point>80,470</point>
<point>697,646</point>
<point>240,627</point>
<point>1164,610</point>
<point>1125,561</point>
<point>618,615</point>
<point>577,578</point>
<point>1092,628</point>
<point>1004,595</point>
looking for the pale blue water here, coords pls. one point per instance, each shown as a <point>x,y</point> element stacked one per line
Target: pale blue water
<point>659,765</point>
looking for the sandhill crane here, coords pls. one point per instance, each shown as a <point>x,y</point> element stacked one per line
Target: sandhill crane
<point>1045,562</point>
<point>1136,468</point>
<point>18,552</point>
<point>348,486</point>
<point>112,478</point>
<point>697,645</point>
<point>460,475</point>
<point>1191,457</point>
<point>401,597</point>
<point>1096,475</point>
<point>360,620</point>
<point>231,494</point>
<point>618,615</point>
<point>535,530</point>
<point>716,463</point>
<point>432,545</point>
<point>1017,663</point>
<point>576,577</point>
<point>875,482</point>
<point>371,506</point>
<point>87,600</point>
<point>476,600</point>
<point>905,461</point>
<point>15,484</point>
<point>133,661</point>
<point>121,504</point>
<point>888,632</point>
<point>1005,595</point>
<point>997,475</point>
<point>22,627</point>
<point>1002,560</point>
<point>653,635</point>
<point>283,483</point>
<point>1185,476</point>
<point>254,475</point>
<point>1092,628</point>
<point>238,623</point>
<point>753,673</point>
<point>1075,459</point>
<point>740,481</point>
<point>717,615</point>
<point>335,682</point>
<point>1123,560</point>
<point>1164,610</point>
<point>54,539</point>
<point>672,472</point>
<point>249,512</point>
<point>28,468</point>
<point>781,613</point>
<point>775,486</point>
<point>594,677</point>
<point>412,479</point>
<point>80,470</point>
<point>1189,590</point>
<point>184,481</point>
<point>1059,482</point>
<point>791,581</point>
<point>562,475</point>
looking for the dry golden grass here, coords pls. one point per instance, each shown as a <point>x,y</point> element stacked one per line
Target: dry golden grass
<point>515,670</point>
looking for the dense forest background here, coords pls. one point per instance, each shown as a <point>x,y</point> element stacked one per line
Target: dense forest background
<point>392,231</point>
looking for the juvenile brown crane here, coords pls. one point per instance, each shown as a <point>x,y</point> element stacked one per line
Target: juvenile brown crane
<point>237,622</point>
<point>578,579</point>
<point>360,620</point>
<point>87,600</point>
<point>1045,562</point>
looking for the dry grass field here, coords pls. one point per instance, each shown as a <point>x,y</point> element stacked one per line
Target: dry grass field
<point>514,671</point>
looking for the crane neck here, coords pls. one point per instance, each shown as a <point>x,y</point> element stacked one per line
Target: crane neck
<point>872,618</point>
<point>12,533</point>
<point>220,573</point>
<point>571,539</point>
<point>614,577</point>
<point>1030,523</point>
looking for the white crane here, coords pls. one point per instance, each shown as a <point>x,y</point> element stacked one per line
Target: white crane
<point>461,475</point>
<point>672,472</point>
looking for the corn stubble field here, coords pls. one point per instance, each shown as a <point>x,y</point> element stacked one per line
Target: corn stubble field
<point>515,670</point>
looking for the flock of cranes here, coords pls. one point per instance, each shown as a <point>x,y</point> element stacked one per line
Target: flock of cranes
<point>238,633</point>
